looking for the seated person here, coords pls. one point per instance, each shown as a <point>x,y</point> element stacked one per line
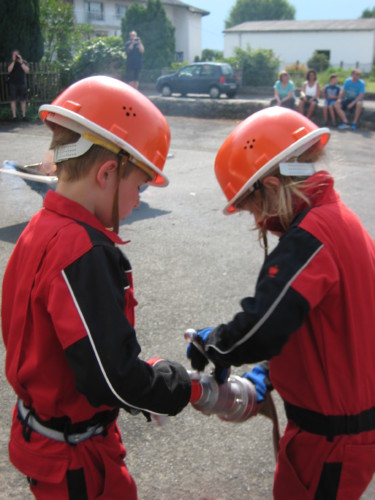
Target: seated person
<point>331,94</point>
<point>310,93</point>
<point>284,91</point>
<point>351,98</point>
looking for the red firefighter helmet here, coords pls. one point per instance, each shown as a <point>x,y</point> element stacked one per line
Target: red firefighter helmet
<point>110,113</point>
<point>257,146</point>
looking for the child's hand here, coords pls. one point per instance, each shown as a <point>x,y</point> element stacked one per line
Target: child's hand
<point>195,350</point>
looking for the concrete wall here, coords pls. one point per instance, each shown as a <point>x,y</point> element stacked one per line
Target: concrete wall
<point>352,48</point>
<point>239,109</point>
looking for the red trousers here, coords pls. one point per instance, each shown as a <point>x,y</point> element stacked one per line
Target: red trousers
<point>311,467</point>
<point>93,469</point>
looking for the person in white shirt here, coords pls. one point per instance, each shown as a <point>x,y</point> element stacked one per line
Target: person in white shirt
<point>309,94</point>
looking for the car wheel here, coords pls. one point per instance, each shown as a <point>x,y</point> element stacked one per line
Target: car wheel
<point>231,94</point>
<point>214,92</point>
<point>166,91</point>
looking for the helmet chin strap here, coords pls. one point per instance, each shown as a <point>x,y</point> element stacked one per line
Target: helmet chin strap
<point>122,161</point>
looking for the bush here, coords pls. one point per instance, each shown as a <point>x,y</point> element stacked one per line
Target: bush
<point>99,56</point>
<point>318,61</point>
<point>297,73</point>
<point>210,55</point>
<point>259,67</point>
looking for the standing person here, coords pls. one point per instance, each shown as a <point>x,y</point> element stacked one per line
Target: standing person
<point>284,91</point>
<point>351,99</point>
<point>17,71</point>
<point>134,50</point>
<point>310,93</point>
<point>331,94</point>
<point>312,314</point>
<point>72,355</point>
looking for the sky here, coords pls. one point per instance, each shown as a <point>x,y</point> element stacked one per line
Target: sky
<point>213,24</point>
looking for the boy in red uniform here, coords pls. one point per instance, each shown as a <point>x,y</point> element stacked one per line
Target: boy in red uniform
<point>312,314</point>
<point>68,305</point>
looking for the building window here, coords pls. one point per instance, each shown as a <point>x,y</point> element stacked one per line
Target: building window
<point>94,11</point>
<point>120,11</point>
<point>179,56</point>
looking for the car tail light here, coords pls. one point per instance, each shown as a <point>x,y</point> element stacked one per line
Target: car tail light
<point>222,79</point>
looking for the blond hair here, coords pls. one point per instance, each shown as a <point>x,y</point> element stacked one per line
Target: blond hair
<point>280,202</point>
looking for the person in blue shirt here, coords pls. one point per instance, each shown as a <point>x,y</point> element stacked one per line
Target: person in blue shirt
<point>331,94</point>
<point>351,98</point>
<point>284,91</point>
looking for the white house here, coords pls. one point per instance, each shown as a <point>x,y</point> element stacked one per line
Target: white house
<point>105,16</point>
<point>348,43</point>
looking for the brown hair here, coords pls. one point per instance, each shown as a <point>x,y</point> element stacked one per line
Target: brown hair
<point>77,168</point>
<point>309,72</point>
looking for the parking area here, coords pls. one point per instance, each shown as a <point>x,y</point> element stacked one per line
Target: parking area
<point>191,266</point>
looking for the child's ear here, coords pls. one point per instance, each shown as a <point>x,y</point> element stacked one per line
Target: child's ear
<point>106,172</point>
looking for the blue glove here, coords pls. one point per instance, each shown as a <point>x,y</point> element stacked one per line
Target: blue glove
<point>259,377</point>
<point>195,349</point>
<point>195,352</point>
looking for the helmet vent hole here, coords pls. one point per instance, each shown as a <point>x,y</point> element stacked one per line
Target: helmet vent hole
<point>129,113</point>
<point>249,145</point>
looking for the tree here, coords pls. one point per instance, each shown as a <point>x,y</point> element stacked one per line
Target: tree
<point>155,30</point>
<point>368,13</point>
<point>20,29</point>
<point>62,37</point>
<point>259,10</point>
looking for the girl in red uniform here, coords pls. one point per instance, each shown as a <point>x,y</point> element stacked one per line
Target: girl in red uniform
<point>68,306</point>
<point>312,314</point>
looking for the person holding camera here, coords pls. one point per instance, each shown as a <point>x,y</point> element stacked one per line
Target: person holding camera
<point>134,50</point>
<point>17,71</point>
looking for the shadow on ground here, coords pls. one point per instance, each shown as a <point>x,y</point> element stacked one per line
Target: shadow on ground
<point>10,234</point>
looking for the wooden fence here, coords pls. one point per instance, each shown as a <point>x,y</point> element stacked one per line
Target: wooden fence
<point>43,82</point>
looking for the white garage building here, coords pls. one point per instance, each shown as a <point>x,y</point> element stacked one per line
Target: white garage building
<point>348,43</point>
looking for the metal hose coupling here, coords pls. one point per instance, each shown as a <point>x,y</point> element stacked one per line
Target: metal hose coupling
<point>233,401</point>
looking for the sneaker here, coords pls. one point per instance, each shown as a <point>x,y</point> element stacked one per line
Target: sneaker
<point>343,126</point>
<point>354,126</point>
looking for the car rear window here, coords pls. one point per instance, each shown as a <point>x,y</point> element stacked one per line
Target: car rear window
<point>226,69</point>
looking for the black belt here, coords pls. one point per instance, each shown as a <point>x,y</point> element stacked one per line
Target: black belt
<point>62,429</point>
<point>331,425</point>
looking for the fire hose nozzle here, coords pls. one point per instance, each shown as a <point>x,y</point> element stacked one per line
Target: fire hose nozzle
<point>233,401</point>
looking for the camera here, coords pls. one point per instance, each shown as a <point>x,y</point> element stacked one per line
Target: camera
<point>136,39</point>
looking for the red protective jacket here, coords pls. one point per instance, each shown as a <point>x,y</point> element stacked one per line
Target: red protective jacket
<point>313,316</point>
<point>67,323</point>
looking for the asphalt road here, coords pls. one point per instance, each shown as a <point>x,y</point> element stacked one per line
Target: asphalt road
<point>191,265</point>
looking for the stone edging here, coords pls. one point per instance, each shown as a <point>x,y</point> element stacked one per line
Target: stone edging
<point>236,109</point>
